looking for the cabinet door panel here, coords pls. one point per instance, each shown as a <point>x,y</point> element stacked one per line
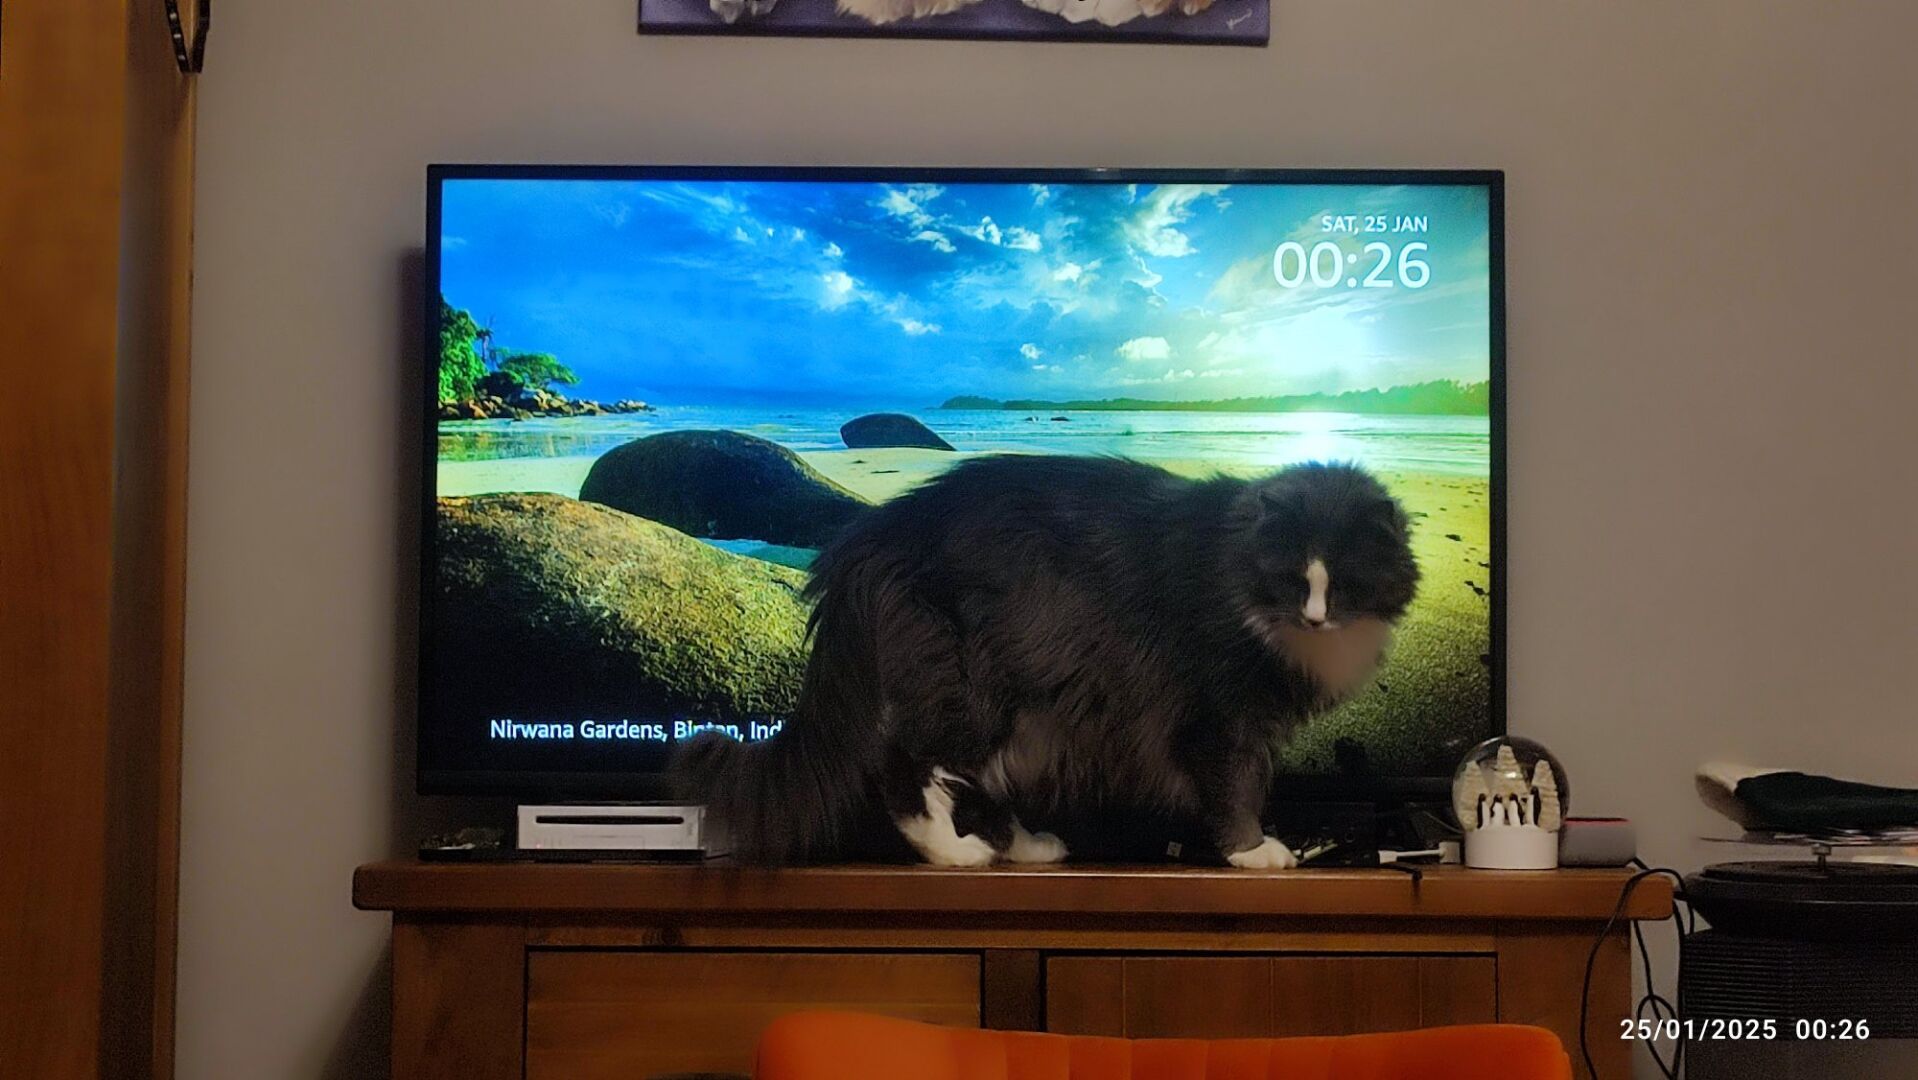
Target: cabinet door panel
<point>1198,997</point>
<point>1085,995</point>
<point>1338,995</point>
<point>630,1015</point>
<point>1457,990</point>
<point>1265,996</point>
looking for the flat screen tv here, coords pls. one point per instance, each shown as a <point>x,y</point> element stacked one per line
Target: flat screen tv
<point>581,614</point>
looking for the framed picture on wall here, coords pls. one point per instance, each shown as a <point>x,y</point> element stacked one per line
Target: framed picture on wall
<point>1218,22</point>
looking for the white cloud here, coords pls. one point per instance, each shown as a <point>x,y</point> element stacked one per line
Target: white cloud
<point>1147,277</point>
<point>1050,368</point>
<point>1071,271</point>
<point>939,241</point>
<point>741,235</point>
<point>720,202</point>
<point>615,214</point>
<point>1031,351</point>
<point>451,243</point>
<point>898,203</point>
<point>1152,229</point>
<point>1168,243</point>
<point>834,251</point>
<point>910,203</point>
<point>1144,348</point>
<point>840,289</point>
<point>1041,194</point>
<point>987,231</point>
<point>798,234</point>
<point>1247,283</point>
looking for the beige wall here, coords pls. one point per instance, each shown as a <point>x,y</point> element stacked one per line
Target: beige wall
<point>1712,261</point>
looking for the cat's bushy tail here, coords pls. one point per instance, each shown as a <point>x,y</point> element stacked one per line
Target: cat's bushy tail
<point>794,796</point>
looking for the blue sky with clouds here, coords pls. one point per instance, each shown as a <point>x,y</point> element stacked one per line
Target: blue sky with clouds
<point>904,295</point>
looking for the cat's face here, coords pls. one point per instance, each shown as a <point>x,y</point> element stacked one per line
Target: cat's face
<point>1328,548</point>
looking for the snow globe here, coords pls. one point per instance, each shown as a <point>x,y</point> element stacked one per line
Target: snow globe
<point>1510,795</point>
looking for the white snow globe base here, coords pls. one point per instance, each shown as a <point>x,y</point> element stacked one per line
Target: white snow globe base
<point>1511,847</point>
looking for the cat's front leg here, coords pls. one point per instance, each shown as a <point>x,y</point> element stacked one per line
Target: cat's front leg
<point>1246,846</point>
<point>1232,785</point>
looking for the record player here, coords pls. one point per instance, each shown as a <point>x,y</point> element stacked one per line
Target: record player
<point>1801,942</point>
<point>1816,899</point>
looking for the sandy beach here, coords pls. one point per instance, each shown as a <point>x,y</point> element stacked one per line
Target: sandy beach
<point>1428,700</point>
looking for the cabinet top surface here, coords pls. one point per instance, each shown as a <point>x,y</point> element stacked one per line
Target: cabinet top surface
<point>614,888</point>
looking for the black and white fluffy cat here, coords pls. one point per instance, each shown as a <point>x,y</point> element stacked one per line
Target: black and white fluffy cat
<point>1046,635</point>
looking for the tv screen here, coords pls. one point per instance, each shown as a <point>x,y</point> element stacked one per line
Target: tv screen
<point>802,344</point>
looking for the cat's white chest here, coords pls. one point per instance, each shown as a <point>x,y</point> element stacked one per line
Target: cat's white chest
<point>1338,661</point>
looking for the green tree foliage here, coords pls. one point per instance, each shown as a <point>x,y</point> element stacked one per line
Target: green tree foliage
<point>471,362</point>
<point>538,371</point>
<point>500,385</point>
<point>461,366</point>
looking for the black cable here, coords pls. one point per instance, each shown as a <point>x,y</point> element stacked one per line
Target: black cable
<point>1682,930</point>
<point>1410,868</point>
<point>1674,1007</point>
<point>1661,1009</point>
<point>190,56</point>
<point>1651,998</point>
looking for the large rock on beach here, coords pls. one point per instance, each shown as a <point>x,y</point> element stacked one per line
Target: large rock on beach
<point>723,485</point>
<point>880,430</point>
<point>549,608</point>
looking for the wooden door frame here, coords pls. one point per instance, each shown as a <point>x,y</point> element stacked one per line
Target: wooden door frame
<point>95,241</point>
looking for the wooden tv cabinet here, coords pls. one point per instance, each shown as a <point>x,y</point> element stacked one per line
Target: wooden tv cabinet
<point>595,971</point>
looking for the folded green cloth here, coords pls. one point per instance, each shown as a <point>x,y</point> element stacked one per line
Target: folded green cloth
<point>1787,801</point>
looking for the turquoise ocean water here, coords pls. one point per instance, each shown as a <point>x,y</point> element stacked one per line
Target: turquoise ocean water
<point>1452,445</point>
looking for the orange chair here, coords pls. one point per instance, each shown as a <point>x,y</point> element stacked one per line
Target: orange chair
<point>856,1046</point>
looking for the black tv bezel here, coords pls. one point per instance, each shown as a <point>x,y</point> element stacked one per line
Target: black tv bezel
<point>538,784</point>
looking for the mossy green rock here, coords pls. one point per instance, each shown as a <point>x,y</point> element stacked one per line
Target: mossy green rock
<point>723,485</point>
<point>550,607</point>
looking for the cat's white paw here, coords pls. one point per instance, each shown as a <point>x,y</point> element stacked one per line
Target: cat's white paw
<point>1034,847</point>
<point>1269,855</point>
<point>960,851</point>
<point>932,833</point>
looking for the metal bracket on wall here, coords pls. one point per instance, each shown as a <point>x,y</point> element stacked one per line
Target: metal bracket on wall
<point>190,57</point>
